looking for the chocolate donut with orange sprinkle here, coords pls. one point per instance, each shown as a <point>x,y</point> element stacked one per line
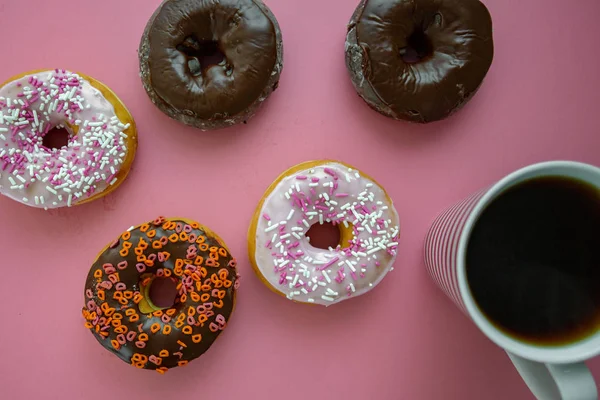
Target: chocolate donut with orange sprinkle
<point>119,310</point>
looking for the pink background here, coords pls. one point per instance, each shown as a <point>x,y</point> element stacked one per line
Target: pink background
<point>404,340</point>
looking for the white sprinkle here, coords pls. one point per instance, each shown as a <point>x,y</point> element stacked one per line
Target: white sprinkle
<point>297,187</point>
<point>290,214</point>
<point>326,276</point>
<point>295,280</point>
<point>327,298</point>
<point>305,223</point>
<point>321,219</point>
<point>19,177</point>
<point>349,264</point>
<point>25,199</point>
<point>392,244</point>
<point>37,200</point>
<point>313,184</point>
<point>48,188</point>
<point>287,235</point>
<point>373,250</point>
<point>352,287</point>
<point>272,227</point>
<point>69,200</point>
<point>310,300</point>
<point>42,199</point>
<point>113,181</point>
<point>296,235</point>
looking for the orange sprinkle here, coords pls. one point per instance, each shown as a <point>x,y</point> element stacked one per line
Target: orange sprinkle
<point>187,330</point>
<point>134,318</point>
<point>116,323</point>
<point>115,344</point>
<point>98,273</point>
<point>179,342</point>
<point>167,272</point>
<point>138,251</point>
<point>197,338</point>
<point>146,281</point>
<point>227,283</point>
<point>181,317</point>
<point>200,240</point>
<point>149,263</point>
<point>214,256</point>
<point>198,261</point>
<point>223,252</point>
<point>162,370</point>
<point>195,225</point>
<point>157,313</point>
<point>144,227</point>
<point>171,311</point>
<point>155,328</point>
<point>203,246</point>
<point>127,245</point>
<point>88,325</point>
<point>202,318</point>
<point>218,304</point>
<point>206,288</point>
<point>117,316</point>
<point>128,294</point>
<point>157,244</point>
<point>191,311</point>
<point>219,284</point>
<point>166,255</point>
<point>213,249</point>
<point>183,298</point>
<point>117,295</point>
<point>129,312</point>
<point>210,262</point>
<point>182,363</point>
<point>179,324</point>
<point>143,337</point>
<point>141,258</point>
<point>204,297</point>
<point>166,329</point>
<point>214,278</point>
<point>151,234</point>
<point>101,295</point>
<point>195,297</point>
<point>126,235</point>
<point>137,298</point>
<point>103,333</point>
<point>123,301</point>
<point>164,353</point>
<point>173,238</point>
<point>183,236</point>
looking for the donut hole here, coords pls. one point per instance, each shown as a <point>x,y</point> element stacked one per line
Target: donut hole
<point>56,138</point>
<point>418,47</point>
<point>163,292</point>
<point>324,236</point>
<point>201,54</point>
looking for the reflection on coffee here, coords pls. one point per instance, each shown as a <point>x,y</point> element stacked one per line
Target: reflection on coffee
<point>533,261</point>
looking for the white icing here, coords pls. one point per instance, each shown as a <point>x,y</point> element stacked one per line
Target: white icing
<point>323,276</point>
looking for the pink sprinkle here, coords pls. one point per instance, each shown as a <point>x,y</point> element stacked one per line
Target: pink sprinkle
<point>301,177</point>
<point>314,179</point>
<point>265,216</point>
<point>353,274</point>
<point>329,171</point>
<point>341,195</point>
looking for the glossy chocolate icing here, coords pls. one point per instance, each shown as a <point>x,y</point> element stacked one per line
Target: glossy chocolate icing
<point>211,63</point>
<point>419,60</point>
<point>132,279</point>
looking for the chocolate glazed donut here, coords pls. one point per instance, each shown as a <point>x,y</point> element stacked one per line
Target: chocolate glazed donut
<point>210,64</point>
<point>418,60</point>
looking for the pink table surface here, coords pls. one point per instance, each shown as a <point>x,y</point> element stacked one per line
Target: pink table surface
<point>404,340</point>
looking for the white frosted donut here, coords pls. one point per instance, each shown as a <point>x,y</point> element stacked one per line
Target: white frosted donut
<point>102,139</point>
<point>313,193</point>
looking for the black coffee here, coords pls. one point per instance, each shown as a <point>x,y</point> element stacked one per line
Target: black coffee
<point>533,261</point>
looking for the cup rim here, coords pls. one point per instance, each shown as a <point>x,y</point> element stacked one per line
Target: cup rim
<point>569,353</point>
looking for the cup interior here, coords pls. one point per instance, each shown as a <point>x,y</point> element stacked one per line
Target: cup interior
<point>570,352</point>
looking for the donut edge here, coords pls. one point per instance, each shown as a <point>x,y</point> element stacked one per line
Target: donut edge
<point>188,118</point>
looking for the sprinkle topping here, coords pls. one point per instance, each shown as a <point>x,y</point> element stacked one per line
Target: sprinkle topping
<point>32,106</point>
<point>335,194</point>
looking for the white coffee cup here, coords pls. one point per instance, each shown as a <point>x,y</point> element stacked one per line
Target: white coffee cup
<point>551,372</point>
